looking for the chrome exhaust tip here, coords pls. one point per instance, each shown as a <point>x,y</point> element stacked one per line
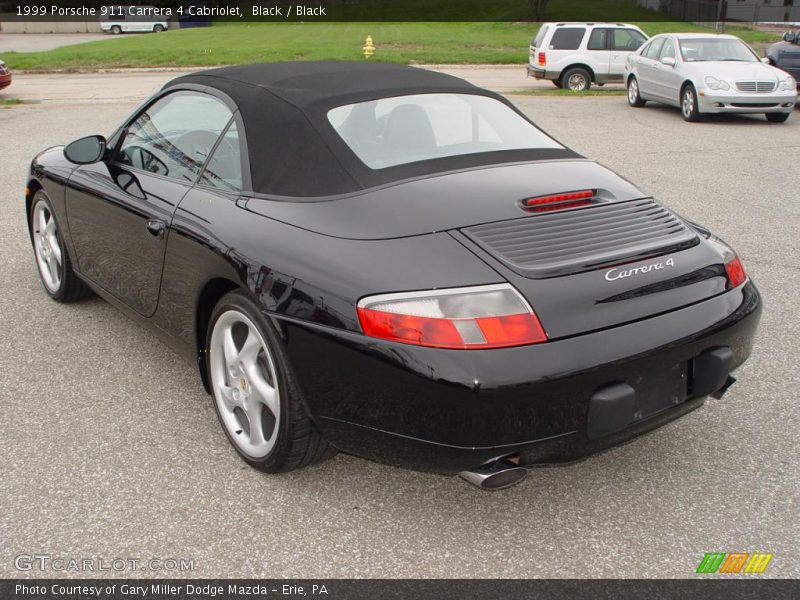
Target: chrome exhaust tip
<point>495,475</point>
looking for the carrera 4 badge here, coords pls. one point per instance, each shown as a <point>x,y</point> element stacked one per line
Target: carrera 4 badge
<point>615,273</point>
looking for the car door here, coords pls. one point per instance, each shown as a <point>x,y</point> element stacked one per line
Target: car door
<point>646,66</point>
<point>622,41</point>
<point>598,48</point>
<point>119,210</point>
<point>667,77</point>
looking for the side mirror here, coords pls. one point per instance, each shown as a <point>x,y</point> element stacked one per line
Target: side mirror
<point>789,36</point>
<point>668,60</point>
<point>86,151</point>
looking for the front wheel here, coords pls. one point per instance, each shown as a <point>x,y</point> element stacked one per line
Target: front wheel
<point>158,28</point>
<point>116,29</point>
<point>256,397</point>
<point>777,117</point>
<point>52,259</point>
<point>577,79</point>
<point>634,97</point>
<point>689,104</point>
<point>557,83</point>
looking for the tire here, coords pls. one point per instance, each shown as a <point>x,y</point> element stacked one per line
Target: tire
<point>116,29</point>
<point>777,117</point>
<point>158,28</point>
<point>577,79</point>
<point>689,106</point>
<point>634,97</point>
<point>255,390</point>
<point>557,83</point>
<point>52,259</point>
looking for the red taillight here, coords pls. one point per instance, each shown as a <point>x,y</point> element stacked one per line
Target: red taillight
<point>465,319</point>
<point>735,271</point>
<point>559,201</point>
<point>542,59</point>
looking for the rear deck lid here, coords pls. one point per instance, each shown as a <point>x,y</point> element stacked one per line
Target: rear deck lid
<point>602,265</point>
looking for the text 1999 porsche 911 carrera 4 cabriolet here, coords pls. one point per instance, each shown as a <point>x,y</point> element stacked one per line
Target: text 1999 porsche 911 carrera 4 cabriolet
<point>394,263</point>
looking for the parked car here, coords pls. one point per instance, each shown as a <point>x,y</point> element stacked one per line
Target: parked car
<point>5,75</point>
<point>703,74</point>
<point>575,55</point>
<point>133,19</point>
<point>786,54</point>
<point>394,263</point>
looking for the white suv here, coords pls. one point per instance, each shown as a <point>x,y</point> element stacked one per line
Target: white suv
<point>573,55</point>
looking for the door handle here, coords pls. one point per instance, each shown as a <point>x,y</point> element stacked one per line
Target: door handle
<point>156,228</point>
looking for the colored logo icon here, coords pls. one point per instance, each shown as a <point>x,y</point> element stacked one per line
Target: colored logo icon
<point>734,562</point>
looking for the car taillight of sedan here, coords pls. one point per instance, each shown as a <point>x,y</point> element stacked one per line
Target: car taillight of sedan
<point>474,318</point>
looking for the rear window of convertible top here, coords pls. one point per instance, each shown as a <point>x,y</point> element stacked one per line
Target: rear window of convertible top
<point>405,129</point>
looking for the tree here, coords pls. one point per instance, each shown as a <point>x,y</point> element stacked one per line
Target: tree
<point>537,9</point>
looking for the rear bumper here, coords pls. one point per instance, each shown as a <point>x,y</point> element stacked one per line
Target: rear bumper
<point>744,104</point>
<point>540,73</point>
<point>5,81</point>
<point>448,411</point>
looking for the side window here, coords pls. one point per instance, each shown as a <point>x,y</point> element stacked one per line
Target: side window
<point>224,168</point>
<point>654,48</point>
<point>598,40</point>
<point>668,49</point>
<point>174,136</point>
<point>567,38</point>
<point>628,39</point>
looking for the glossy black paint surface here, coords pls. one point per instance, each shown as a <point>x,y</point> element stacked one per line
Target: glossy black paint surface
<point>165,251</point>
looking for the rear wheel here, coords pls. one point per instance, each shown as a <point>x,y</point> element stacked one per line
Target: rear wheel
<point>116,29</point>
<point>777,117</point>
<point>634,98</point>
<point>158,28</point>
<point>557,83</point>
<point>689,105</point>
<point>52,259</point>
<point>577,79</point>
<point>257,399</point>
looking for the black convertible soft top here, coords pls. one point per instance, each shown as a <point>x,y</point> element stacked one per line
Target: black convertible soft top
<point>294,150</point>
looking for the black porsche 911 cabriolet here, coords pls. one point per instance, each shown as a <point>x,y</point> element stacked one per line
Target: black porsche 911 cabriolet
<point>394,263</point>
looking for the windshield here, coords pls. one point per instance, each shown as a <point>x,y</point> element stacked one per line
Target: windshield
<point>716,49</point>
<point>405,129</point>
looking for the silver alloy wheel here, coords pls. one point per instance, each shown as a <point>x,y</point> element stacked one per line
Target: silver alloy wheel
<point>576,82</point>
<point>244,381</point>
<point>49,255</point>
<point>688,103</point>
<point>633,91</point>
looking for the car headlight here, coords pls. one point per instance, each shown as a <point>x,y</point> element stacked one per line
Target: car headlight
<point>717,84</point>
<point>788,84</point>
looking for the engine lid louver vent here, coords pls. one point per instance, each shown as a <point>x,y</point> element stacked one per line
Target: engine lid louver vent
<point>561,243</point>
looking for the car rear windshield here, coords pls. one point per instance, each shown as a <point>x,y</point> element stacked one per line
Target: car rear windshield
<point>700,50</point>
<point>406,129</point>
<point>537,41</point>
<point>567,38</point>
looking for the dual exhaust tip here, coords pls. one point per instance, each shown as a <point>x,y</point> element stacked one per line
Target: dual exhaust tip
<point>496,475</point>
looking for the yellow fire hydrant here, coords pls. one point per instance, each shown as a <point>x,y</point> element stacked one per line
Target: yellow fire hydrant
<point>369,48</point>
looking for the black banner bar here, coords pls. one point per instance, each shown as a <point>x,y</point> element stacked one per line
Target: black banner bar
<point>188,11</point>
<point>722,587</point>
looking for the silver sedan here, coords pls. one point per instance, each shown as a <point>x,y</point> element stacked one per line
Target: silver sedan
<point>702,73</point>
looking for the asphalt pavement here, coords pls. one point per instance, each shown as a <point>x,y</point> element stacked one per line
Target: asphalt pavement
<point>41,42</point>
<point>111,449</point>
